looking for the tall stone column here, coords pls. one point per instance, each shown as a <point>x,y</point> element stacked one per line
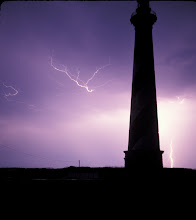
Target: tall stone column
<point>143,147</point>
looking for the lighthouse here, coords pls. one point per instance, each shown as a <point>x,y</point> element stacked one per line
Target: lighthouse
<point>143,145</point>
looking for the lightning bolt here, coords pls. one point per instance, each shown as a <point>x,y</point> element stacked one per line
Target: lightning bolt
<point>77,79</point>
<point>180,101</point>
<point>171,154</point>
<point>15,91</point>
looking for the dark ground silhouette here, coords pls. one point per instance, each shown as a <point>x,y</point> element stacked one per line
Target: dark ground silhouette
<point>96,190</point>
<point>90,176</point>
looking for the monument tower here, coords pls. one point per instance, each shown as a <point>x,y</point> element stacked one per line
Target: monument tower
<point>143,146</point>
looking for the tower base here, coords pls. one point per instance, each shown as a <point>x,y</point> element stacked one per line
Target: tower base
<point>143,159</point>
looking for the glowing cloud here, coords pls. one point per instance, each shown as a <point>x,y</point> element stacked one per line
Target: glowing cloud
<point>170,114</point>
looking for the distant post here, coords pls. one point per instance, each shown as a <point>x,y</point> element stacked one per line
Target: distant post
<point>143,147</point>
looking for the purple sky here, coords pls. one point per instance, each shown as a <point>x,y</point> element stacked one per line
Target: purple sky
<point>47,120</point>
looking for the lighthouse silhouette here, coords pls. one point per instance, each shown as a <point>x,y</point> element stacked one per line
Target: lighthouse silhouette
<point>143,146</point>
